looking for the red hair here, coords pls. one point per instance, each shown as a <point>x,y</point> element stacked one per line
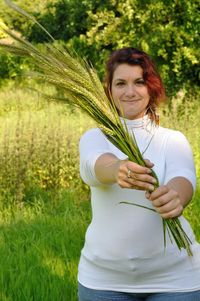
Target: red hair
<point>133,56</point>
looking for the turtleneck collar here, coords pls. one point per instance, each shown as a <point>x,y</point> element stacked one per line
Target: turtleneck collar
<point>144,123</point>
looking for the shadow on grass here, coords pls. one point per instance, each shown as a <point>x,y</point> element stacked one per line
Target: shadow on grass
<point>39,251</point>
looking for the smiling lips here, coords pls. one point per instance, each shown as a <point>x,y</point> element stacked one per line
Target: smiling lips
<point>132,100</point>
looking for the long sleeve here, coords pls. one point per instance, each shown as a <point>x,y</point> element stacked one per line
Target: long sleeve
<point>179,159</point>
<point>92,145</point>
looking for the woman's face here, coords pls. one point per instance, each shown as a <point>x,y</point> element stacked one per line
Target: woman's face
<point>129,91</point>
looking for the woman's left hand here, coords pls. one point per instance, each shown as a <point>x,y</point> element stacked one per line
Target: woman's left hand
<point>166,201</point>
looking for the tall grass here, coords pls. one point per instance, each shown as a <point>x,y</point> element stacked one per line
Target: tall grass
<point>43,217</point>
<point>39,146</point>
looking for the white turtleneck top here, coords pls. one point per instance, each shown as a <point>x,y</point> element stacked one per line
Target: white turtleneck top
<point>124,246</point>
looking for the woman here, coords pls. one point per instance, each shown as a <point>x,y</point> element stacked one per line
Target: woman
<point>124,256</point>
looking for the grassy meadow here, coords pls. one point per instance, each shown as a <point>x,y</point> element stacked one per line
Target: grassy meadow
<point>44,208</point>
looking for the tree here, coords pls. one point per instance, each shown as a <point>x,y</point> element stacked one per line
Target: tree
<point>166,29</point>
<point>63,19</point>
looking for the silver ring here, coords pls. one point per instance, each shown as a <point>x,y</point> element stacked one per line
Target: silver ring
<point>129,174</point>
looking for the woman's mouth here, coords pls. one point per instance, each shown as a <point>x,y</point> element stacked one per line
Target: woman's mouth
<point>130,100</point>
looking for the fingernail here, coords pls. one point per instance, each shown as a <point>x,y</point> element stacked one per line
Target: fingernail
<point>154,181</point>
<point>151,187</point>
<point>147,194</point>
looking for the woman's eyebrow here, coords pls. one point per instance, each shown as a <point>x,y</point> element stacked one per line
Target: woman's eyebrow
<point>123,80</point>
<point>119,79</point>
<point>139,78</point>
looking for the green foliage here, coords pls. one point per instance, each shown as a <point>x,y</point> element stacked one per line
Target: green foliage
<point>9,66</point>
<point>15,67</point>
<point>63,19</point>
<point>17,21</point>
<point>167,30</point>
<point>2,34</point>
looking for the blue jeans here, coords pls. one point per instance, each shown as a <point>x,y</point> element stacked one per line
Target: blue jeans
<point>86,294</point>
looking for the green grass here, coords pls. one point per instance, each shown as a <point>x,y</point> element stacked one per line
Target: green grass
<point>40,249</point>
<point>44,210</point>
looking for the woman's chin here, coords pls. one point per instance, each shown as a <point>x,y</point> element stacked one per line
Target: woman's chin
<point>131,116</point>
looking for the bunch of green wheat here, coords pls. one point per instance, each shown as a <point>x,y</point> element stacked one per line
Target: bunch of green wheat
<point>82,88</point>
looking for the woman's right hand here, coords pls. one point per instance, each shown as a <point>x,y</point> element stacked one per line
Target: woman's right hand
<point>135,176</point>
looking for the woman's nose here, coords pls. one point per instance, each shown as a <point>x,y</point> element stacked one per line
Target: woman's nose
<point>130,91</point>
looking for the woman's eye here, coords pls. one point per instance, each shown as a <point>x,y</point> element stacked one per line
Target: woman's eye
<point>120,84</point>
<point>140,82</point>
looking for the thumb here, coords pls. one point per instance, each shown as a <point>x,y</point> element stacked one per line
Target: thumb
<point>148,163</point>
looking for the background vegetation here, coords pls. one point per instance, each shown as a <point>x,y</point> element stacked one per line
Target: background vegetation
<point>167,29</point>
<point>44,208</point>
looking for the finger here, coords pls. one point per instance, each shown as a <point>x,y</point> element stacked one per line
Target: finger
<point>173,213</point>
<point>175,205</point>
<point>149,163</point>
<point>136,168</point>
<point>128,183</point>
<point>167,207</point>
<point>158,192</point>
<point>167,201</point>
<point>141,185</point>
<point>124,184</point>
<point>161,201</point>
<point>169,198</point>
<point>142,178</point>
